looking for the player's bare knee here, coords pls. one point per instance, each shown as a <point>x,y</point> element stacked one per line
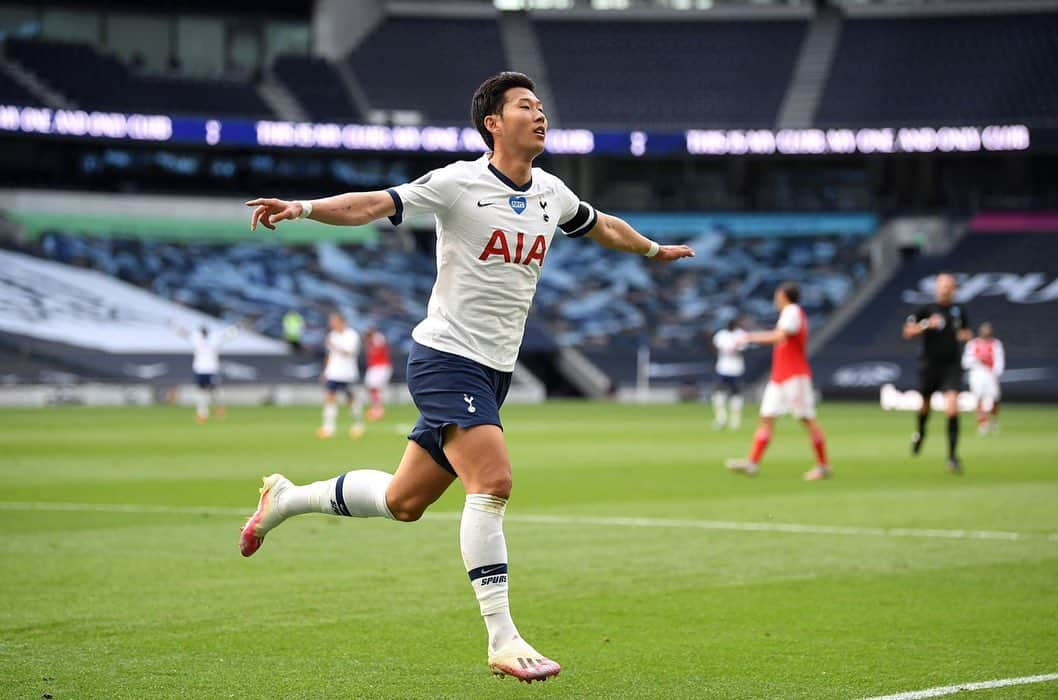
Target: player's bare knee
<point>406,510</point>
<point>407,515</point>
<point>495,483</point>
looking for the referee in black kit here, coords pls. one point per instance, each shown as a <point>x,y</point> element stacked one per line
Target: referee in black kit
<point>942,324</point>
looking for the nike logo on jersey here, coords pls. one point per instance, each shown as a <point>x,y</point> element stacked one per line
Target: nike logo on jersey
<point>485,204</point>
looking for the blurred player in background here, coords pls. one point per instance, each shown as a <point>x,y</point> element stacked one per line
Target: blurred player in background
<point>790,387</point>
<point>985,359</point>
<point>340,374</point>
<point>206,365</point>
<point>378,373</point>
<point>941,324</point>
<point>729,342</point>
<point>293,327</point>
<point>496,217</point>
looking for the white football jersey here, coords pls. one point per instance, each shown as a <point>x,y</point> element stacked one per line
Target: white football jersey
<point>729,347</point>
<point>492,238</point>
<point>343,349</point>
<point>207,349</point>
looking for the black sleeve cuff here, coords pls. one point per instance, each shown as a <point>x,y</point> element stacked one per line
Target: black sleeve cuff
<point>397,202</point>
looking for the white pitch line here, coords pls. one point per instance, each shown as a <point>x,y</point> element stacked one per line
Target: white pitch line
<point>140,508</point>
<point>952,689</point>
<point>728,525</point>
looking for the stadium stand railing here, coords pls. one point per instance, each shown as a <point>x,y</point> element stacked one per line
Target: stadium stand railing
<point>13,93</point>
<point>318,88</point>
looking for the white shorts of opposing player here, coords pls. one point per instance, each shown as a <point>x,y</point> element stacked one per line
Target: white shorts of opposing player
<point>378,377</point>
<point>794,396</point>
<point>985,387</point>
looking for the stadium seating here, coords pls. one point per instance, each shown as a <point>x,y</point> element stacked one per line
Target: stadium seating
<point>11,93</point>
<point>669,74</point>
<point>1005,279</point>
<point>612,74</point>
<point>944,70</point>
<point>380,286</point>
<point>601,301</point>
<point>316,85</point>
<point>428,65</point>
<point>99,81</point>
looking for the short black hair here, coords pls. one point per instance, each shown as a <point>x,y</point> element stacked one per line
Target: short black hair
<point>732,324</point>
<point>488,99</point>
<point>791,291</point>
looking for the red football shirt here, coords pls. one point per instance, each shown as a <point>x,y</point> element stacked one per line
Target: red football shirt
<point>789,357</point>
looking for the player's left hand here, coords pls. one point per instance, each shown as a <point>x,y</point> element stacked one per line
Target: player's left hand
<point>668,253</point>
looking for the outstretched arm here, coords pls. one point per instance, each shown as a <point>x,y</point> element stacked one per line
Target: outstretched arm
<point>615,233</point>
<point>179,330</point>
<point>233,331</point>
<point>772,337</point>
<point>349,209</point>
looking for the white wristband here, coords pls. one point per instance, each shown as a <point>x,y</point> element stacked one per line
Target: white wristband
<point>654,248</point>
<point>306,209</point>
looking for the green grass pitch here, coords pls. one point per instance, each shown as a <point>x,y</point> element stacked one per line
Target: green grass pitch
<point>150,598</point>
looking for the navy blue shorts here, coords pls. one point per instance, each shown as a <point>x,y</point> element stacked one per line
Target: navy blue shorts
<point>451,390</point>
<point>334,387</point>
<point>729,383</point>
<point>204,381</point>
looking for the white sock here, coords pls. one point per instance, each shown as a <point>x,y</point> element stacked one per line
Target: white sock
<point>719,410</point>
<point>358,494</point>
<point>736,410</point>
<point>485,556</point>
<point>330,416</point>
<point>203,404</point>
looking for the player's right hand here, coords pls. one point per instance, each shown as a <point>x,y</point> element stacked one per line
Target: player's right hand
<point>269,212</point>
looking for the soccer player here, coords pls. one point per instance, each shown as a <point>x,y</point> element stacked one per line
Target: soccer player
<point>729,342</point>
<point>496,217</point>
<point>205,364</point>
<point>985,358</point>
<point>293,327</point>
<point>379,371</point>
<point>941,325</point>
<point>790,388</point>
<point>340,372</point>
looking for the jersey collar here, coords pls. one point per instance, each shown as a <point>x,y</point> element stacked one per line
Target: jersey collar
<point>508,181</point>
